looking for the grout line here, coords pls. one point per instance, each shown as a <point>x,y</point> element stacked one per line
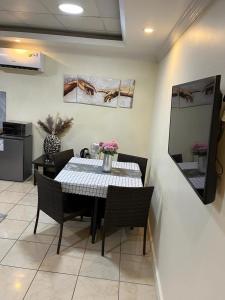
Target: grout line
<point>138,283</point>
<point>14,243</point>
<point>85,250</point>
<point>99,278</point>
<point>21,232</point>
<point>80,269</point>
<point>37,270</point>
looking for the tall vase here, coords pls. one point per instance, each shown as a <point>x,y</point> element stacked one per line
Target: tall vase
<point>52,144</point>
<point>107,163</point>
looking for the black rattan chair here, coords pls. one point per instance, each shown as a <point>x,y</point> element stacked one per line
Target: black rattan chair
<point>59,206</point>
<point>142,162</point>
<point>60,159</point>
<point>127,207</point>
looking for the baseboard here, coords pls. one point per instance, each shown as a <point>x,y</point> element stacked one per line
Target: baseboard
<point>159,293</point>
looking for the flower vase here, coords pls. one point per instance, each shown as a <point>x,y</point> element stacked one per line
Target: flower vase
<point>107,163</point>
<point>52,144</point>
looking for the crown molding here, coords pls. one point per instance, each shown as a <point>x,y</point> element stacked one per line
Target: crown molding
<point>5,35</point>
<point>190,16</point>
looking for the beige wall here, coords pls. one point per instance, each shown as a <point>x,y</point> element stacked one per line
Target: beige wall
<point>33,97</point>
<point>189,238</point>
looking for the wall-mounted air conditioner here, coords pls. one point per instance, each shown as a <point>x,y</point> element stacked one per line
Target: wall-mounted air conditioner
<point>22,59</point>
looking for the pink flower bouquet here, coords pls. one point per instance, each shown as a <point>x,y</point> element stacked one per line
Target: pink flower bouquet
<point>108,147</point>
<point>196,148</point>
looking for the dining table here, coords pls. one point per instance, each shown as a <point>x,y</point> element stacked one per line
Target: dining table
<point>84,176</point>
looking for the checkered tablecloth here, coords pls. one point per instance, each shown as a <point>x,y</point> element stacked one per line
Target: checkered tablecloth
<point>92,184</point>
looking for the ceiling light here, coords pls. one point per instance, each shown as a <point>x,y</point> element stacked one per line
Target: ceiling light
<point>148,30</point>
<point>71,8</point>
<point>17,40</point>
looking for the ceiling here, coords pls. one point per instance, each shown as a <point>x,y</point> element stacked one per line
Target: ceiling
<point>100,17</point>
<point>107,27</point>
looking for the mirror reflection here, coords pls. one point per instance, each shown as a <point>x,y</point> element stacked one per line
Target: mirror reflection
<point>191,112</point>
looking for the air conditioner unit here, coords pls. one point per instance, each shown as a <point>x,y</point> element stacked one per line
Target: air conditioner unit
<point>22,59</point>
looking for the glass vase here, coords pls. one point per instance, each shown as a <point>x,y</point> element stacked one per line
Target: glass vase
<point>107,163</point>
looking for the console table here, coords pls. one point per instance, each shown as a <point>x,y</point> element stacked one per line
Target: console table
<point>47,165</point>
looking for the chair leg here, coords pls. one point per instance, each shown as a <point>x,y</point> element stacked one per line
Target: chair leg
<point>99,222</point>
<point>91,226</point>
<point>95,216</point>
<point>60,238</point>
<point>103,242</point>
<point>144,243</point>
<point>36,222</point>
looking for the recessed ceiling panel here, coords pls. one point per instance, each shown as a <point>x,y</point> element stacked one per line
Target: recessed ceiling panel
<point>89,6</point>
<point>10,19</point>
<point>108,8</point>
<point>100,18</point>
<point>82,24</point>
<point>22,5</point>
<point>112,25</point>
<point>40,20</point>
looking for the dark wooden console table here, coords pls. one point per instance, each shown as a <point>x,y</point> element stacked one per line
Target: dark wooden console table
<point>47,165</point>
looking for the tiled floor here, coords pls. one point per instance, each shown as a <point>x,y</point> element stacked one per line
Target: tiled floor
<point>31,270</point>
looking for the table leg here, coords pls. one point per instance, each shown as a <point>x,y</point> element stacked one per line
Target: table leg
<point>35,169</point>
<point>95,219</point>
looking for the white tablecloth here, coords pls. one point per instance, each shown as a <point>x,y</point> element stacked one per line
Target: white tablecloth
<point>92,184</point>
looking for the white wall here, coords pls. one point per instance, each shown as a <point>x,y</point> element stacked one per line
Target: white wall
<point>189,238</point>
<point>33,97</point>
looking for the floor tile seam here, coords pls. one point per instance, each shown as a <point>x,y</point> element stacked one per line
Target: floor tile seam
<point>14,242</point>
<point>30,269</point>
<point>79,271</point>
<point>137,283</point>
<point>37,270</point>
<point>6,213</point>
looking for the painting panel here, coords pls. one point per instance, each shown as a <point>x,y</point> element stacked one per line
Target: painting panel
<point>126,93</point>
<point>70,89</point>
<point>98,91</point>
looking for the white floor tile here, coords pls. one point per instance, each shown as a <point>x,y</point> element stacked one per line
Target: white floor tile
<point>45,233</point>
<point>112,242</point>
<point>43,218</point>
<point>5,207</point>
<point>21,187</point>
<point>94,265</point>
<point>5,184</point>
<point>5,245</point>
<point>136,269</point>
<point>11,197</point>
<point>34,190</point>
<point>29,199</point>
<point>12,229</point>
<point>134,245</point>
<point>26,255</point>
<point>74,236</point>
<point>130,291</point>
<point>22,212</point>
<point>95,289</point>
<point>14,282</point>
<point>51,286</point>
<point>68,261</point>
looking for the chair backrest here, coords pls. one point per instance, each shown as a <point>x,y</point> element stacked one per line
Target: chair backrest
<point>61,159</point>
<point>127,206</point>
<point>178,158</point>
<point>50,197</point>
<point>141,161</point>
